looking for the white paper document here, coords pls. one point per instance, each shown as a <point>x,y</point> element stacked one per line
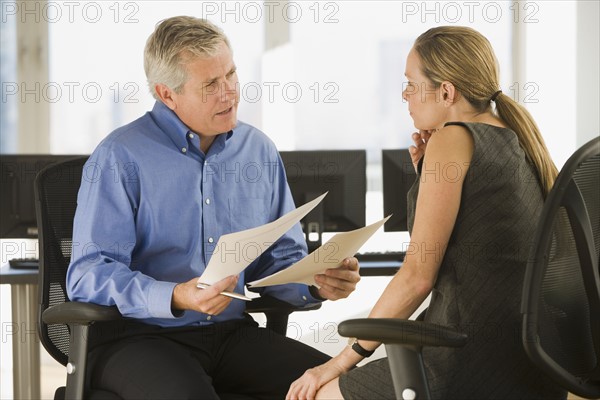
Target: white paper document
<point>329,255</point>
<point>235,251</point>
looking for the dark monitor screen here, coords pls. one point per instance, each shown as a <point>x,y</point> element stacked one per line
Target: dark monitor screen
<point>342,173</point>
<point>398,177</point>
<point>17,198</point>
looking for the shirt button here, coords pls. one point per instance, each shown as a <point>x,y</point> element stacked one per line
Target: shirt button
<point>210,240</point>
<point>207,201</point>
<point>209,317</point>
<point>183,149</point>
<point>304,298</point>
<point>191,135</point>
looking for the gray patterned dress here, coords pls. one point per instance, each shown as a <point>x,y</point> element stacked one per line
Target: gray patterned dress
<point>478,288</point>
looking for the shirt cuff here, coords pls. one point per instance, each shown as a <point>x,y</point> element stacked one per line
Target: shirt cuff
<point>308,297</point>
<point>159,299</point>
<point>314,291</point>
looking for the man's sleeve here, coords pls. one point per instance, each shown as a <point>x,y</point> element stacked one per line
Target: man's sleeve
<point>104,237</point>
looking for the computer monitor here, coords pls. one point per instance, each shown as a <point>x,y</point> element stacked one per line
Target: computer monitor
<point>342,173</point>
<point>17,199</point>
<point>398,177</point>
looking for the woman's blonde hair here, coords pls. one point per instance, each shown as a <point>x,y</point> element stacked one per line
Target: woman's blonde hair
<point>465,58</point>
<point>174,42</point>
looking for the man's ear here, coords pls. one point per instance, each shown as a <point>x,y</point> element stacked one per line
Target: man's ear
<point>449,93</point>
<point>166,95</point>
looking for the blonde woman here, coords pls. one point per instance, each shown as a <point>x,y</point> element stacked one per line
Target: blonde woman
<point>483,173</point>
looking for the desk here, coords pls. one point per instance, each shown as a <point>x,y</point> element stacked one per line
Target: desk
<point>379,268</point>
<point>26,344</point>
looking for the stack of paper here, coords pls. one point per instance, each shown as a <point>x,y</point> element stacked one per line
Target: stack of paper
<point>235,251</point>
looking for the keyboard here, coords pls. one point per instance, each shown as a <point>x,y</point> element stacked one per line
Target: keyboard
<point>381,256</point>
<point>24,263</point>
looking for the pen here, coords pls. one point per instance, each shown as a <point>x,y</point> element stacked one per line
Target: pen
<point>228,294</point>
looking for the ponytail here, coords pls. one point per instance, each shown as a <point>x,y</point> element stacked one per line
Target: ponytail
<point>521,122</point>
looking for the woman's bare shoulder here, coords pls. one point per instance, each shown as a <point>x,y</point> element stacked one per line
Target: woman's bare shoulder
<point>451,142</point>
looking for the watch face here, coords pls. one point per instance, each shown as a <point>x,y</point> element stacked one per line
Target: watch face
<point>351,341</point>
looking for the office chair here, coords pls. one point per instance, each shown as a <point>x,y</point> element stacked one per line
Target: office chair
<point>64,325</point>
<point>561,292</point>
<point>560,302</point>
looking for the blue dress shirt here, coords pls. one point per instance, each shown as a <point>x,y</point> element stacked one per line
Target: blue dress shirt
<point>152,207</point>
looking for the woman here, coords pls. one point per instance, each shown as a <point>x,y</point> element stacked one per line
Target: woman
<point>483,175</point>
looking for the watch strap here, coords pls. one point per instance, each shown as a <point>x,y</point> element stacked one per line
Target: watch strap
<point>361,350</point>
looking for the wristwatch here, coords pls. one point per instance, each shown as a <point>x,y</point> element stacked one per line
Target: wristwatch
<point>353,342</point>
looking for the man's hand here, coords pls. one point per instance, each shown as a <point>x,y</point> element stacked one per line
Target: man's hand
<point>338,283</point>
<point>186,296</point>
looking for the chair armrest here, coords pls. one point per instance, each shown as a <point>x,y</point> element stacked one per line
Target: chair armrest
<point>277,311</point>
<point>74,312</point>
<point>79,316</point>
<point>267,304</point>
<point>403,341</point>
<point>401,331</point>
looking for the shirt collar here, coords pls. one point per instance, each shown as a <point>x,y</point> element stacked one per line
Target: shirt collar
<point>172,126</point>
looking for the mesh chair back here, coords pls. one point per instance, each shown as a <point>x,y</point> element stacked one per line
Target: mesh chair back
<point>561,294</point>
<point>56,188</point>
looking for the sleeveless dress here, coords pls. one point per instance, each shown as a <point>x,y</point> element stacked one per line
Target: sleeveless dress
<point>478,288</point>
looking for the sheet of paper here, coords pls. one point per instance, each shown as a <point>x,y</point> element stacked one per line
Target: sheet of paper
<point>235,251</point>
<point>329,255</point>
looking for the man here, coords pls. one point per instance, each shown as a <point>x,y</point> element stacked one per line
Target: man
<point>156,196</point>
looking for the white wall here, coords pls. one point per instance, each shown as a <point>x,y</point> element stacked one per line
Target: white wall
<point>586,71</point>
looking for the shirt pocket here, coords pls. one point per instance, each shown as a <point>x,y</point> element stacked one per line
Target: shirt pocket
<point>247,212</point>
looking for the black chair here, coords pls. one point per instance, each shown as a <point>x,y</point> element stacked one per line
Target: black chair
<point>64,325</point>
<point>561,294</point>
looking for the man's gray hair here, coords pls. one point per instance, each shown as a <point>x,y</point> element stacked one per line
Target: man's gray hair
<point>174,42</point>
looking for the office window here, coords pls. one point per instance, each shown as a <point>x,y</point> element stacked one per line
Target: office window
<point>347,60</point>
<point>330,76</point>
<point>97,80</point>
<point>549,88</point>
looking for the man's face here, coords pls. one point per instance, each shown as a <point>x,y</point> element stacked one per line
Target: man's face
<point>209,99</point>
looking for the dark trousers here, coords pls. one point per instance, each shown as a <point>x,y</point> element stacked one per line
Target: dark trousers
<point>232,360</point>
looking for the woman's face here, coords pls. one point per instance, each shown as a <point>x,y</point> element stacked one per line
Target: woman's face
<point>425,101</point>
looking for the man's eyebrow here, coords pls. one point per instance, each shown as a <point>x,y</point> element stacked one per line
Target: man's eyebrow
<point>213,80</point>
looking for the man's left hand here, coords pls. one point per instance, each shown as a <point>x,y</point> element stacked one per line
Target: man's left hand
<point>338,283</point>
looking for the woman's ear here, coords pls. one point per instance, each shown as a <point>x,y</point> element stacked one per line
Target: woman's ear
<point>449,93</point>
